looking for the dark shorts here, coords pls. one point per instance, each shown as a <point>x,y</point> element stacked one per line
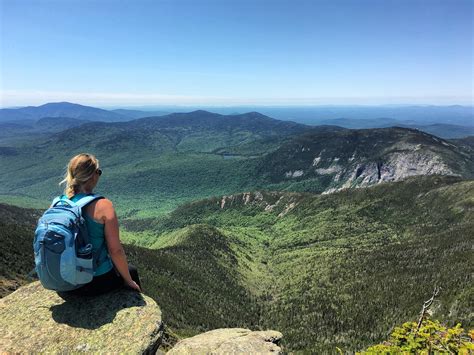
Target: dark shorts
<point>107,282</point>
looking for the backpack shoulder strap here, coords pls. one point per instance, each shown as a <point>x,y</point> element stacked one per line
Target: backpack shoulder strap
<point>88,199</point>
<point>62,201</point>
<point>84,234</point>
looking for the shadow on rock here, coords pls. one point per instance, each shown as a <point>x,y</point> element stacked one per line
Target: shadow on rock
<point>94,312</point>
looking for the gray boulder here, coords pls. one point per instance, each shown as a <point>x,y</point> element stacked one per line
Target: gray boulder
<point>230,341</point>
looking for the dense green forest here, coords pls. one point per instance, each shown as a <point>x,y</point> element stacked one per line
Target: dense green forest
<point>150,165</point>
<point>153,165</point>
<point>17,227</point>
<point>338,270</point>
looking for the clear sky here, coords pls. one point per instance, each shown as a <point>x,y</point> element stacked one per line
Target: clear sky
<point>106,52</point>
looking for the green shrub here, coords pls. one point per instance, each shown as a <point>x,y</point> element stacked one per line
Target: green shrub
<point>432,337</point>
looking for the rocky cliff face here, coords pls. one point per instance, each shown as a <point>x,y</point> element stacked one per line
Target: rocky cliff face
<point>358,158</point>
<point>395,166</point>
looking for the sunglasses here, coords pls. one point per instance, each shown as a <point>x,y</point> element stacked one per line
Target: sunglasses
<point>99,171</point>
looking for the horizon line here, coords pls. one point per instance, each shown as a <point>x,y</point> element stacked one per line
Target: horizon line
<point>112,106</point>
<point>268,105</point>
<point>19,98</point>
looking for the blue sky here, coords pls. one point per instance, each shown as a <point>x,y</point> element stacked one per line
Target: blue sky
<point>223,52</point>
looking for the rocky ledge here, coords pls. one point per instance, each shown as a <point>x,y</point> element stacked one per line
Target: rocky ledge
<point>230,341</point>
<point>36,320</point>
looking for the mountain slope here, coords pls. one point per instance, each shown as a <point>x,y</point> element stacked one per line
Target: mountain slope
<point>467,143</point>
<point>134,114</point>
<point>341,269</point>
<point>16,254</point>
<point>195,279</point>
<point>446,131</point>
<point>442,130</point>
<point>19,132</point>
<point>44,124</point>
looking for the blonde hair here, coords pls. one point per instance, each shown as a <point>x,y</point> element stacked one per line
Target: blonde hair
<point>80,170</point>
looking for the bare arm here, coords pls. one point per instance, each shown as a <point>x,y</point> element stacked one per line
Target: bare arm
<point>111,230</point>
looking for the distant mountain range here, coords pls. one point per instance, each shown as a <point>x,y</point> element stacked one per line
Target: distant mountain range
<point>443,130</point>
<point>180,157</point>
<point>402,114</point>
<point>444,121</point>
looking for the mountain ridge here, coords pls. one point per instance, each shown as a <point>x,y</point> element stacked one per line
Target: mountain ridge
<point>358,158</point>
<point>453,121</point>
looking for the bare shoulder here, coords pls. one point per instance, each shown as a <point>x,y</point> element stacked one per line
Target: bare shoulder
<point>105,208</point>
<point>104,203</point>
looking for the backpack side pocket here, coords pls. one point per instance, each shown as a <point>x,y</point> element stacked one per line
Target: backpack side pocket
<point>84,265</point>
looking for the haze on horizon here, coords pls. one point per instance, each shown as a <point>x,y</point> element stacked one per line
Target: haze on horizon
<point>183,52</point>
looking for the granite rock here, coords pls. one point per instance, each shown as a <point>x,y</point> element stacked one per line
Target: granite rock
<point>230,341</point>
<point>34,320</point>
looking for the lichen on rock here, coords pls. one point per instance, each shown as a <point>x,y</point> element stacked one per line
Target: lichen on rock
<point>230,341</point>
<point>34,320</point>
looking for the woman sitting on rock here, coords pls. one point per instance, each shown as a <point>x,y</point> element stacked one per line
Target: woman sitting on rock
<point>113,272</point>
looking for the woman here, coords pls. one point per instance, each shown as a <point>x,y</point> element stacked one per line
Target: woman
<point>82,176</point>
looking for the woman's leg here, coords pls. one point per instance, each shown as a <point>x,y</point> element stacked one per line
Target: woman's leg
<point>100,284</point>
<point>107,282</point>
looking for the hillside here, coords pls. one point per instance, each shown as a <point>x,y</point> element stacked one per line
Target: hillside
<point>446,131</point>
<point>467,143</point>
<point>440,129</point>
<point>195,278</point>
<point>16,254</point>
<point>339,269</point>
<point>134,114</point>
<point>27,130</point>
<point>325,270</point>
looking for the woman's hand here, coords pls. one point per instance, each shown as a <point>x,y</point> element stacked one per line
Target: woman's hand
<point>133,285</point>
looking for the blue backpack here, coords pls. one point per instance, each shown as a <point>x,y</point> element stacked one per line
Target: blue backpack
<point>64,259</point>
